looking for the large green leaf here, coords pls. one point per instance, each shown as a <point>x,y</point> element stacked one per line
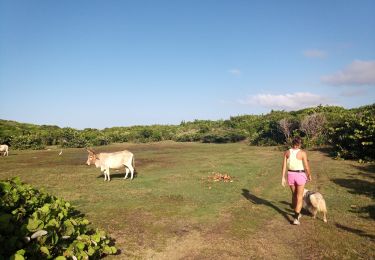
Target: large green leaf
<point>17,257</point>
<point>80,245</point>
<point>54,238</point>
<point>5,187</point>
<point>53,223</point>
<point>45,250</point>
<point>34,224</point>
<point>45,208</point>
<point>69,228</point>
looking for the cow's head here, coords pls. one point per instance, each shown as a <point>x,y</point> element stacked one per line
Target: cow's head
<point>91,159</point>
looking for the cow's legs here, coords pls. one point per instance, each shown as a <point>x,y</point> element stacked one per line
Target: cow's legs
<point>103,170</point>
<point>131,171</point>
<point>129,168</point>
<point>108,178</point>
<point>126,172</point>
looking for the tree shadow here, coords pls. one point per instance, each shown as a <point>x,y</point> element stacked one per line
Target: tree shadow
<point>367,171</point>
<point>355,231</point>
<point>112,242</point>
<point>327,150</point>
<point>77,213</point>
<point>357,186</point>
<point>259,201</point>
<point>370,210</point>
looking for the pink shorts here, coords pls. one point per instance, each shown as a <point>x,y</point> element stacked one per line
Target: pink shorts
<point>297,178</point>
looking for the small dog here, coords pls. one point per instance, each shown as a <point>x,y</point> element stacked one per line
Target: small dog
<point>314,202</point>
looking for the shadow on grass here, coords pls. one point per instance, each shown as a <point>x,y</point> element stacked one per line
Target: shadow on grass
<point>357,186</point>
<point>370,210</point>
<point>77,213</point>
<point>290,208</point>
<point>327,150</point>
<point>259,201</point>
<point>118,175</point>
<point>355,231</point>
<point>367,171</point>
<point>112,242</point>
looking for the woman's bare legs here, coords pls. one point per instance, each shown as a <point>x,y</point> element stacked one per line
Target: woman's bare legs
<point>297,197</point>
<point>292,189</point>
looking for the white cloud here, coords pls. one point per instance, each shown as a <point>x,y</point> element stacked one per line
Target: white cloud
<point>235,72</point>
<point>315,54</point>
<point>353,93</point>
<point>358,73</point>
<point>287,101</point>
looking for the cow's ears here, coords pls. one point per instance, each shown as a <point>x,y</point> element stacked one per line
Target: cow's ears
<point>90,151</point>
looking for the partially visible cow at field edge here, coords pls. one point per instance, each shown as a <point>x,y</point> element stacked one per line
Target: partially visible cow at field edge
<point>114,160</point>
<point>4,149</point>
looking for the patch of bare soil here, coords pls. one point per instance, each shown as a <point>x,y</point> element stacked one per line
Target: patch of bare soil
<point>262,244</point>
<point>277,239</point>
<point>186,246</point>
<point>159,161</point>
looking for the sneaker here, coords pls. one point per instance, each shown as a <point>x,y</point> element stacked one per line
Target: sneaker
<point>296,222</point>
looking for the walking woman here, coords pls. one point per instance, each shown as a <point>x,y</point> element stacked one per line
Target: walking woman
<point>296,163</point>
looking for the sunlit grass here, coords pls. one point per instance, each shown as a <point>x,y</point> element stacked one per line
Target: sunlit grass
<point>172,196</point>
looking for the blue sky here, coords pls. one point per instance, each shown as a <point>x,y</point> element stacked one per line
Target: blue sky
<point>120,63</point>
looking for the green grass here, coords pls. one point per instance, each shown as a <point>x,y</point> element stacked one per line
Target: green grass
<point>173,210</point>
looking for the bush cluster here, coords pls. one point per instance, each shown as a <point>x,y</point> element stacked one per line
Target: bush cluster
<point>35,225</point>
<point>30,141</point>
<point>349,131</point>
<point>353,135</point>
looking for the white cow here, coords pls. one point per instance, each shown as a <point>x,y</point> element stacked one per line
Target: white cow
<point>4,149</point>
<point>114,160</point>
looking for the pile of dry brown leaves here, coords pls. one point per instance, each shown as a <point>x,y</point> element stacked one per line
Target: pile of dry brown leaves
<point>217,176</point>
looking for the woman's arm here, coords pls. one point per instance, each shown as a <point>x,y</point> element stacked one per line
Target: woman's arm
<point>306,165</point>
<point>283,181</point>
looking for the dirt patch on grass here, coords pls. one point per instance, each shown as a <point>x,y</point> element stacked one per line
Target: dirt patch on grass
<point>160,162</point>
<point>144,147</point>
<point>186,246</point>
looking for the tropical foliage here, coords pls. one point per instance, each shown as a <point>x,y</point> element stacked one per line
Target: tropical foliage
<point>349,131</point>
<point>35,225</point>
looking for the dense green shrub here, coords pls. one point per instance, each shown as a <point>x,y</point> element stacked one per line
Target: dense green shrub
<point>214,138</point>
<point>348,130</point>
<point>268,133</point>
<point>188,137</point>
<point>223,137</point>
<point>73,138</point>
<point>147,134</point>
<point>34,142</point>
<point>93,137</point>
<point>353,135</point>
<point>36,225</point>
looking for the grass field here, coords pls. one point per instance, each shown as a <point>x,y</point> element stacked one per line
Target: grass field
<point>172,210</point>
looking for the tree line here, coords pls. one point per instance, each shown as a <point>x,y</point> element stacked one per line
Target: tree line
<point>350,132</point>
